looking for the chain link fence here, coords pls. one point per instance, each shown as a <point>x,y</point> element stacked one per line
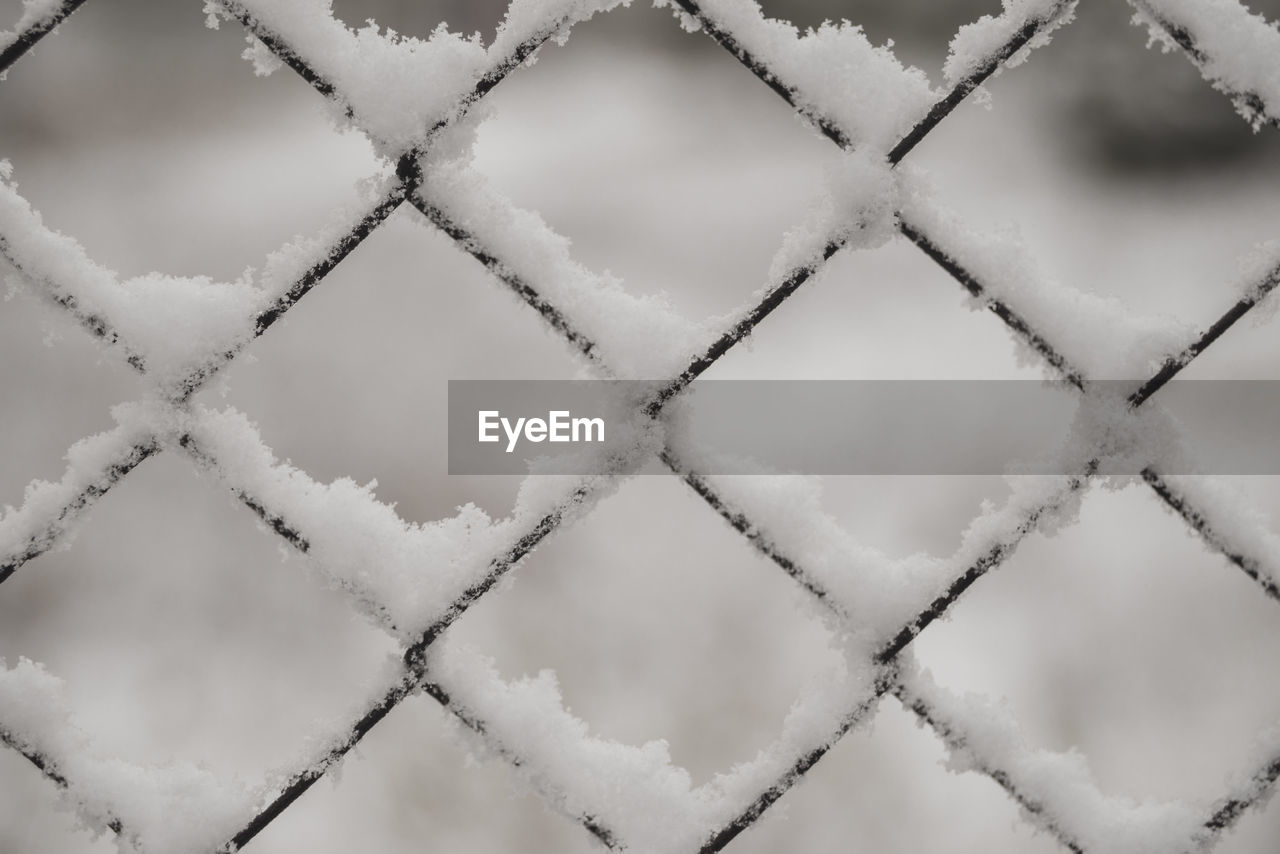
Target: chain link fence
<point>626,800</point>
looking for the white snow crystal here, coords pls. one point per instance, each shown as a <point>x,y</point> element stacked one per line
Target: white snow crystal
<point>405,575</point>
<point>33,12</point>
<point>874,594</point>
<point>834,70</point>
<point>39,520</point>
<point>1123,440</point>
<point>1238,47</point>
<point>176,808</point>
<point>859,209</point>
<point>1235,524</point>
<point>635,792</point>
<point>172,322</point>
<point>396,87</point>
<point>265,63</point>
<point>1099,335</point>
<point>527,20</point>
<point>1260,280</point>
<point>638,337</point>
<point>821,715</point>
<point>984,736</point>
<point>399,88</point>
<point>975,43</point>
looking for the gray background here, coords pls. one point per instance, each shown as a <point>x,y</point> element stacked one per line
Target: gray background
<point>181,630</point>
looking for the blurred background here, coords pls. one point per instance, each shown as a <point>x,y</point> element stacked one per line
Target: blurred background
<point>184,630</point>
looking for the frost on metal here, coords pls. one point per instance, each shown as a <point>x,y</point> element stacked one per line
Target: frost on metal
<point>411,97</point>
<point>1234,49</point>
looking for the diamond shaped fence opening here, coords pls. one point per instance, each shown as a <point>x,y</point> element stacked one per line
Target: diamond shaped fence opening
<point>418,105</point>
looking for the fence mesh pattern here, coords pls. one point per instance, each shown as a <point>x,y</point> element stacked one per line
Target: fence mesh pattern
<point>625,799</point>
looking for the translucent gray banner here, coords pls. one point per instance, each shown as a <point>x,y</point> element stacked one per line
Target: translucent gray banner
<point>865,427</point>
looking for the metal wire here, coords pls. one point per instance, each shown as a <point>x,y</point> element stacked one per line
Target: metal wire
<point>1250,104</point>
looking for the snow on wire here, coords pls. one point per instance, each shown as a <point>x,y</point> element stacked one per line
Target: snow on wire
<point>416,580</point>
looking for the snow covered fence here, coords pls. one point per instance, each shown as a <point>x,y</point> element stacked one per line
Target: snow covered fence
<point>412,99</point>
